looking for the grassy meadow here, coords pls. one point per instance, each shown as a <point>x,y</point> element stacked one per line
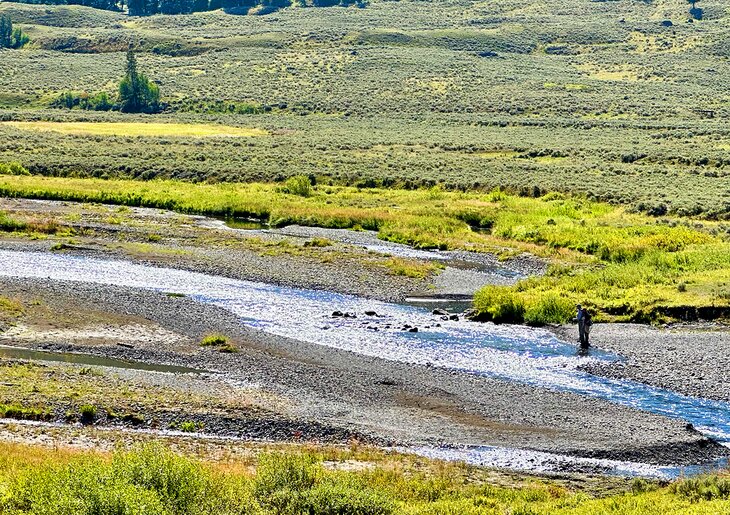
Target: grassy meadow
<point>149,479</point>
<point>625,266</point>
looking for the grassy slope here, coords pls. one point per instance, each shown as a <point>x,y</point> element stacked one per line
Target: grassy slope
<point>591,97</point>
<point>152,480</point>
<point>626,266</point>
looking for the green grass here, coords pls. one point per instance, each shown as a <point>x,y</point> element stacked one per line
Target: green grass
<point>623,265</point>
<point>187,426</point>
<point>30,226</point>
<point>151,479</point>
<point>214,340</point>
<point>24,412</point>
<point>412,268</point>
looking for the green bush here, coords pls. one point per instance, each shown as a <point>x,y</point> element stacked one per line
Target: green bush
<point>298,185</point>
<point>13,168</point>
<point>500,305</point>
<point>290,484</point>
<point>96,102</point>
<point>703,488</point>
<point>336,498</point>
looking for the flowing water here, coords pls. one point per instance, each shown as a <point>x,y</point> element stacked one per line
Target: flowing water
<point>87,359</point>
<point>525,355</point>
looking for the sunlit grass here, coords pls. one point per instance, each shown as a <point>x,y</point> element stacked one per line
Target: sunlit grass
<point>625,266</point>
<point>180,130</point>
<point>151,479</point>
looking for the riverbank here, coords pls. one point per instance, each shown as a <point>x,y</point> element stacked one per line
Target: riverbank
<point>346,394</point>
<point>625,266</point>
<point>289,389</point>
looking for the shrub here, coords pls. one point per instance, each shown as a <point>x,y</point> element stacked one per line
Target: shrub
<point>97,102</point>
<point>13,168</point>
<point>298,185</point>
<point>294,484</point>
<point>703,488</point>
<point>500,305</point>
<point>332,498</point>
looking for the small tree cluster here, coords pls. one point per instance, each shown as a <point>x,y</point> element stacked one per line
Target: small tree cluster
<point>137,94</point>
<point>10,37</point>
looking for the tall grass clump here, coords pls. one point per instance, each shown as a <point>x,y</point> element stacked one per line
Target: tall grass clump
<point>549,309</point>
<point>9,224</point>
<point>149,480</point>
<point>289,484</point>
<point>499,304</point>
<point>706,488</point>
<point>298,185</point>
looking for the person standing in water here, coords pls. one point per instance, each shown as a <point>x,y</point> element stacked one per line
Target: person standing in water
<point>584,326</point>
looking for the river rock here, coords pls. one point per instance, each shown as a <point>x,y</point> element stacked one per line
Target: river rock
<point>438,311</point>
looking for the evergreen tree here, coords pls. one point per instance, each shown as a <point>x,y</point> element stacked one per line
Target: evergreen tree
<point>136,93</point>
<point>6,31</point>
<point>10,37</point>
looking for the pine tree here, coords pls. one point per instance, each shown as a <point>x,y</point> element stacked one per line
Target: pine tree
<point>6,31</point>
<point>136,93</point>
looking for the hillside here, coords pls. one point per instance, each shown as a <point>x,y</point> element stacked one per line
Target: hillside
<point>599,98</point>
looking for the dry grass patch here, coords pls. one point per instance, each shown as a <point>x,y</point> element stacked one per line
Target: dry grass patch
<point>179,130</point>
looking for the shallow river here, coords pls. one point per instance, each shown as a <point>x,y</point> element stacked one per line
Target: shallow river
<point>526,355</point>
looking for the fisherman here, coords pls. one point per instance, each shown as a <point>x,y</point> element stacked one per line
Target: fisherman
<point>584,325</point>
